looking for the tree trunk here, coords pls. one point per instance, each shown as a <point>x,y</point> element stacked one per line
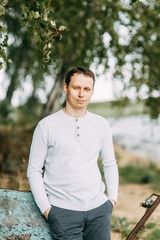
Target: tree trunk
<point>11,87</point>
<point>53,102</point>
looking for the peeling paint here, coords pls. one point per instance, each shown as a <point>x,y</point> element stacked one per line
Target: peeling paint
<point>22,237</point>
<point>20,218</point>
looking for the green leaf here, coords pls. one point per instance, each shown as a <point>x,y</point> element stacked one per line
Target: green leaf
<point>61,28</point>
<point>53,23</point>
<point>5,2</point>
<point>2,54</point>
<point>50,37</point>
<point>31,14</point>
<point>36,15</point>
<point>48,34</point>
<point>2,10</point>
<point>41,1</point>
<point>1,65</point>
<point>25,9</point>
<point>3,29</point>
<point>5,41</point>
<point>49,45</point>
<point>9,61</point>
<point>45,47</point>
<point>45,18</point>
<point>43,23</point>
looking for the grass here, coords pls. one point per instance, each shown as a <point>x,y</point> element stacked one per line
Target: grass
<point>120,225</point>
<point>154,235</point>
<point>150,225</point>
<point>117,108</point>
<point>138,173</point>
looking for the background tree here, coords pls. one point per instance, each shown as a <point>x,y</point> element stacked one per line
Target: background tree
<point>142,50</point>
<point>93,34</point>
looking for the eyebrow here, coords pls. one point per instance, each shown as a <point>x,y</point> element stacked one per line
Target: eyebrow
<point>80,86</point>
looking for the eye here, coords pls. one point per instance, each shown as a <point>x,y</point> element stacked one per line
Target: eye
<point>76,88</point>
<point>87,89</point>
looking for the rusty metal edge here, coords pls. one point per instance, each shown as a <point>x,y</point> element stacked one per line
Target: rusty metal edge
<point>14,189</point>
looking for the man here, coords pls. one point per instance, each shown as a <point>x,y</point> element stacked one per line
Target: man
<point>66,144</point>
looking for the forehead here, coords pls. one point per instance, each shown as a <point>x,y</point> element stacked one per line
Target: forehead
<point>81,79</point>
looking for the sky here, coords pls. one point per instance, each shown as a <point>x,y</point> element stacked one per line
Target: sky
<point>103,90</point>
<point>106,88</point>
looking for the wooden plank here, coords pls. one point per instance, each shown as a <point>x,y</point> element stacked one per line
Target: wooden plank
<point>20,217</point>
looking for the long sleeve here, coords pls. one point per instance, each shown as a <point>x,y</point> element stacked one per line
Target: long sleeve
<point>62,169</point>
<point>37,156</point>
<point>110,168</point>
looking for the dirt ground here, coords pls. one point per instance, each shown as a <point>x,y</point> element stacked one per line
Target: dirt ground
<point>131,195</point>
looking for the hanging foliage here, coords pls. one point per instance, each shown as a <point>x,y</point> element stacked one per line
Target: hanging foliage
<point>35,18</point>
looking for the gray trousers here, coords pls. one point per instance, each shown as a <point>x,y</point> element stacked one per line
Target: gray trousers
<point>94,224</point>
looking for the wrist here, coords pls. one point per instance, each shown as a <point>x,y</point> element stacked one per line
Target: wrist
<point>113,202</point>
<point>46,213</point>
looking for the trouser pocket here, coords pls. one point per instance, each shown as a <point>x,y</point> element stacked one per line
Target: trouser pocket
<point>65,224</point>
<point>110,205</point>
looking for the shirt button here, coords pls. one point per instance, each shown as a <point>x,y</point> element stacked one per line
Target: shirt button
<point>78,127</point>
<point>76,120</point>
<point>78,135</point>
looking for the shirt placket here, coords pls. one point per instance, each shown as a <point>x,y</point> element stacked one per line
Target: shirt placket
<point>77,132</point>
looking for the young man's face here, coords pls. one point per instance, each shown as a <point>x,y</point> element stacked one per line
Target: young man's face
<point>79,91</point>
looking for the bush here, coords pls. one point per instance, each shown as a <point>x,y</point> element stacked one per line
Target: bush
<point>141,174</point>
<point>155,235</point>
<point>150,225</point>
<point>136,174</point>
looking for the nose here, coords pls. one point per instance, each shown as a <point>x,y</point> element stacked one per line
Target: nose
<point>81,93</point>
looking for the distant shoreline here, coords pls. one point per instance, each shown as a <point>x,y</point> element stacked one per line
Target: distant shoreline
<point>138,135</point>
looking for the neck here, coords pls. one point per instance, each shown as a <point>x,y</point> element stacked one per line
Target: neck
<point>76,113</point>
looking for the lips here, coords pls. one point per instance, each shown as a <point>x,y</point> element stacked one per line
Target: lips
<point>82,101</point>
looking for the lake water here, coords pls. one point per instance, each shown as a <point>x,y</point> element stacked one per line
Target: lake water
<point>137,134</point>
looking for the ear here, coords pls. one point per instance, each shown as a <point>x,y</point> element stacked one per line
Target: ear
<point>65,88</point>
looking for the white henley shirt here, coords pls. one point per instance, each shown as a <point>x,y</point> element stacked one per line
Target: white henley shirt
<point>63,169</point>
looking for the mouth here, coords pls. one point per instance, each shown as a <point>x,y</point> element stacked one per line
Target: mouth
<point>81,101</point>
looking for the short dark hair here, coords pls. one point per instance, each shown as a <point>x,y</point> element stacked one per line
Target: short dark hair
<point>79,70</point>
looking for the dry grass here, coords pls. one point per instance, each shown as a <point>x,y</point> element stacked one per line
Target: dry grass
<point>18,180</point>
